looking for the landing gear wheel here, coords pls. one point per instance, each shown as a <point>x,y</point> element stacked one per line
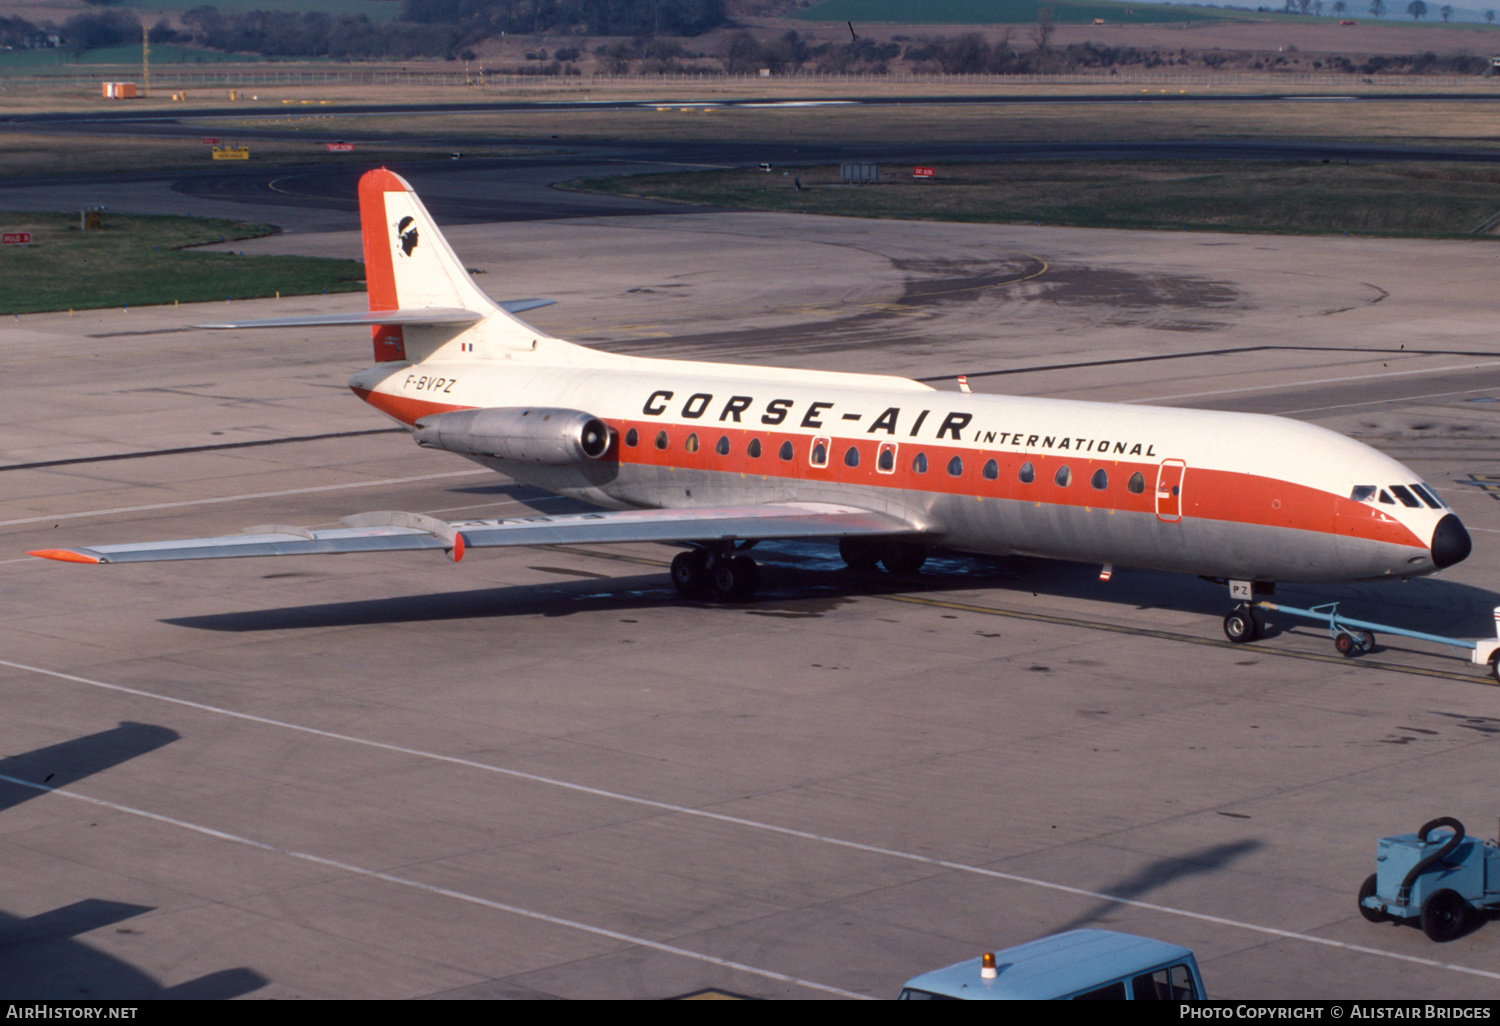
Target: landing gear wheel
<point>903,557</point>
<point>735,579</point>
<point>1443,915</point>
<point>1241,625</point>
<point>1367,890</point>
<point>1495,666</point>
<point>859,553</point>
<point>690,573</point>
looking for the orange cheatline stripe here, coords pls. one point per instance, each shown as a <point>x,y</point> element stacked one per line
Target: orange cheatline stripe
<point>1208,494</point>
<point>65,556</point>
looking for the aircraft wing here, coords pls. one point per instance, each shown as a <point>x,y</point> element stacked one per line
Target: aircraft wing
<point>389,531</point>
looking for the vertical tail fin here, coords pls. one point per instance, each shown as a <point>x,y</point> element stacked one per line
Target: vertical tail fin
<point>408,263</point>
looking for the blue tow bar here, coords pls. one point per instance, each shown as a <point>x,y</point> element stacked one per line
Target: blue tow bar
<point>1354,637</point>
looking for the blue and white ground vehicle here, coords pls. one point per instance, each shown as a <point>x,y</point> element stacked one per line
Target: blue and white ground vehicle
<point>1442,880</point>
<point>1077,965</point>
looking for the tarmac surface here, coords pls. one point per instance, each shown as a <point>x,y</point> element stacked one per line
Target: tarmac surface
<point>540,773</point>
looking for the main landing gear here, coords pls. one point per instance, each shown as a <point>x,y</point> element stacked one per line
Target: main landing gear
<point>716,573</point>
<point>897,557</point>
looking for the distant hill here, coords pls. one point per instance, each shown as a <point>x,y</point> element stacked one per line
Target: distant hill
<point>996,12</point>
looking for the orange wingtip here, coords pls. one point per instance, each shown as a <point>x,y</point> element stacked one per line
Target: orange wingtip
<point>65,556</point>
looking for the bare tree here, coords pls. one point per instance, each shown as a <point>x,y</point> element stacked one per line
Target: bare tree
<point>1377,8</point>
<point>1489,16</point>
<point>1340,8</point>
<point>1044,29</point>
<point>1446,11</point>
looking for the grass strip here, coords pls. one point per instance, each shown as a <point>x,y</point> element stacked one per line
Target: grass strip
<point>142,261</point>
<point>1422,200</point>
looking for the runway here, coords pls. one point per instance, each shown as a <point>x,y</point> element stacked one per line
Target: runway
<point>540,773</point>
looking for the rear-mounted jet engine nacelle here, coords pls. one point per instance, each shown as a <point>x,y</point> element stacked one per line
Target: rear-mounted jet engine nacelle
<point>517,434</point>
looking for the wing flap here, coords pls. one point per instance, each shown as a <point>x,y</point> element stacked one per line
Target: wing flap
<point>390,532</point>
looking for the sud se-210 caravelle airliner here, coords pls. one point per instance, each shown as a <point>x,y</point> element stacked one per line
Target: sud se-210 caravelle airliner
<point>722,456</point>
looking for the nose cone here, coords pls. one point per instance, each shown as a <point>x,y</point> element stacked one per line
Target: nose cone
<point>1450,542</point>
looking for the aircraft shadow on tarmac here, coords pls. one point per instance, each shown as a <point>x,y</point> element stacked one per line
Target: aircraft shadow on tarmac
<point>41,958</point>
<point>1161,872</point>
<point>68,762</point>
<point>802,580</point>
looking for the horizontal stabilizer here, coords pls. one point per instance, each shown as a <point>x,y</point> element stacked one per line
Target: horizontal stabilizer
<point>418,315</point>
<point>385,532</point>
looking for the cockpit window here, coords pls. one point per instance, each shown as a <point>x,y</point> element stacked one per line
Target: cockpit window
<point>1427,496</point>
<point>1407,498</point>
<point>1385,497</point>
<point>1363,493</point>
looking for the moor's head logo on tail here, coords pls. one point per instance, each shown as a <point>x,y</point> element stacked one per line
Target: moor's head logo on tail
<point>407,235</point>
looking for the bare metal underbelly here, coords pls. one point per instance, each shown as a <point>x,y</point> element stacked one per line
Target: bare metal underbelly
<point>1212,548</point>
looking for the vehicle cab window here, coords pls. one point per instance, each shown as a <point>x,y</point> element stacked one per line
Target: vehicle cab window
<point>1171,983</point>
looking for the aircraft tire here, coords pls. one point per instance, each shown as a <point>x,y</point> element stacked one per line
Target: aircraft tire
<point>859,554</point>
<point>736,579</point>
<point>690,573</point>
<point>903,557</point>
<point>1241,625</point>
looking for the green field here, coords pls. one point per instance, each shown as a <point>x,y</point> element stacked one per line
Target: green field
<point>993,12</point>
<point>1412,200</point>
<point>141,261</point>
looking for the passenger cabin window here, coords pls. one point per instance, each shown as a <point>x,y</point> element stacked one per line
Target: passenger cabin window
<point>1064,477</point>
<point>753,449</point>
<point>1407,498</point>
<point>723,447</point>
<point>661,439</point>
<point>631,438</point>
<point>819,457</point>
<point>1423,493</point>
<point>1109,992</point>
<point>1100,480</point>
<point>851,457</point>
<point>919,463</point>
<point>785,452</point>
<point>956,467</point>
<point>1137,483</point>
<point>886,462</point>
<point>691,445</point>
<point>991,470</point>
<point>1363,493</point>
<point>1027,473</point>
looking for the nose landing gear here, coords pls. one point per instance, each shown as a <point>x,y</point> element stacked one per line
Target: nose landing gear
<point>716,573</point>
<point>1242,624</point>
